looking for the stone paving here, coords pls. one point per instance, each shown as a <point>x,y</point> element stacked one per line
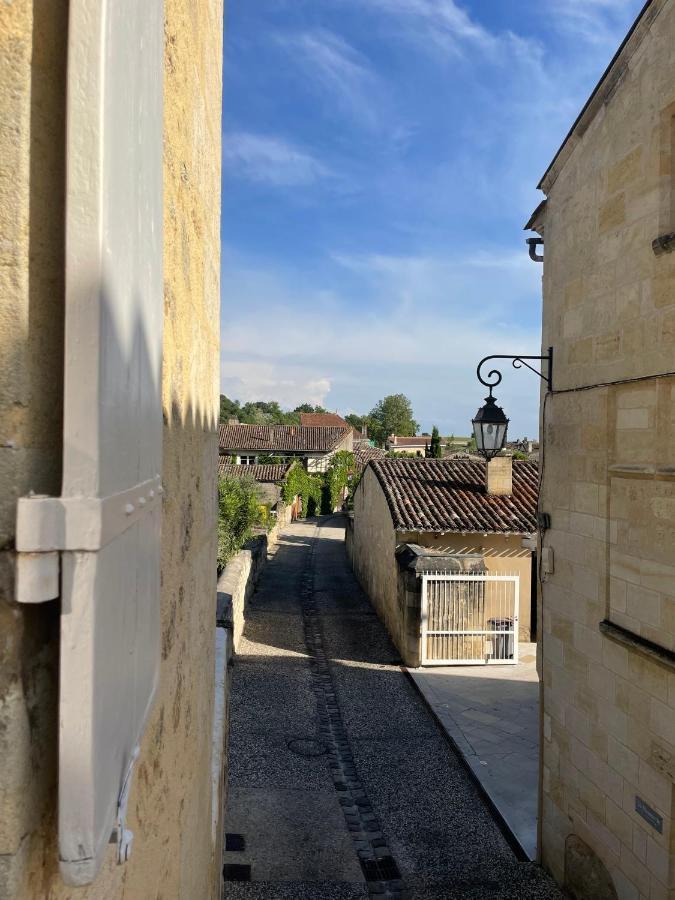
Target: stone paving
<point>341,783</point>
<point>492,715</point>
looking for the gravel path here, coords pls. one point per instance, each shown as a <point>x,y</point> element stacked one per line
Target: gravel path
<point>339,780</point>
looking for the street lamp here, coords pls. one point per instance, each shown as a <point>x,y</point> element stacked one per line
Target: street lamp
<point>490,423</point>
<point>489,428</point>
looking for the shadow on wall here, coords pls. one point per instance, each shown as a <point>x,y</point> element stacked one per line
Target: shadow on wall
<point>177,740</point>
<point>31,389</point>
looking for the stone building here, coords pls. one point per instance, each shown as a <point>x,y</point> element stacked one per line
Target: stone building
<point>313,445</point>
<point>456,507</point>
<point>131,180</point>
<point>607,481</point>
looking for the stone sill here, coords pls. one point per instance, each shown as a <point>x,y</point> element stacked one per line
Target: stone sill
<point>640,645</point>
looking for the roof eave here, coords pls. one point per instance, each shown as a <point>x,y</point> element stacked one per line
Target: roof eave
<point>401,528</point>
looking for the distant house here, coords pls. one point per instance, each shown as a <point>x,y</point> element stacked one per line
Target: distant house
<point>413,446</point>
<point>476,517</point>
<point>314,446</point>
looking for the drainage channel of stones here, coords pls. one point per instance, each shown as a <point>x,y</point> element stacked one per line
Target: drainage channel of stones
<point>378,865</point>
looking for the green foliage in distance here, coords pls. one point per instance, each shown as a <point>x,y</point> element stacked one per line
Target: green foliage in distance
<point>308,408</point>
<point>299,483</point>
<point>320,493</point>
<point>435,451</point>
<point>340,470</point>
<point>392,415</point>
<point>239,511</point>
<point>263,412</point>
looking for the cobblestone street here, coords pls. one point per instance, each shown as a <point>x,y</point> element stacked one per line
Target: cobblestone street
<point>340,782</point>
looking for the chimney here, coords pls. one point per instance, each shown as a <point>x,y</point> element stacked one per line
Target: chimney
<point>364,431</point>
<point>233,421</point>
<point>500,476</point>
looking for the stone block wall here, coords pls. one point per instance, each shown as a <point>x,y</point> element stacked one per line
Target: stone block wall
<point>608,483</point>
<point>237,582</point>
<point>371,549</point>
<point>175,852</point>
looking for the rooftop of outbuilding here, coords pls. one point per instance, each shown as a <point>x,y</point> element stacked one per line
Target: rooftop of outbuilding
<point>437,495</point>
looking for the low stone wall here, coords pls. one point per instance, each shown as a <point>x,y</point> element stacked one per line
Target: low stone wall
<point>237,581</point>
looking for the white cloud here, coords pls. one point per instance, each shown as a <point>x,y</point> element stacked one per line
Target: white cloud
<point>338,70</point>
<point>259,380</point>
<point>270,160</point>
<point>421,330</point>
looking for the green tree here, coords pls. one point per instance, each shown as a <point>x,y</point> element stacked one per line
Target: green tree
<point>392,415</point>
<point>262,412</point>
<point>361,423</point>
<point>435,451</point>
<point>229,409</point>
<point>308,408</point>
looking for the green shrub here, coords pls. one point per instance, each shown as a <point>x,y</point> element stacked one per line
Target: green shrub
<point>239,511</point>
<point>338,475</point>
<point>299,483</point>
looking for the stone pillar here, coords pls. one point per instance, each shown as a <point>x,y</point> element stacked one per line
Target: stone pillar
<point>500,476</point>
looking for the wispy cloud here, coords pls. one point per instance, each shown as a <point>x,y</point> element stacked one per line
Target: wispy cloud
<point>421,328</point>
<point>339,70</point>
<point>445,22</point>
<point>597,22</point>
<point>270,160</point>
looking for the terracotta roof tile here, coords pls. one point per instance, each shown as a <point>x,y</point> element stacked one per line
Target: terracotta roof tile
<point>364,454</point>
<point>316,420</point>
<point>449,495</point>
<point>279,438</point>
<point>270,474</point>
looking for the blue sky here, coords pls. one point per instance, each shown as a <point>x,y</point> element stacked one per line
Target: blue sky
<point>380,158</point>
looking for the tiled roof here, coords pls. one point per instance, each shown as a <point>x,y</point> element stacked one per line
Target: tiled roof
<point>364,454</point>
<point>263,473</point>
<point>280,438</point>
<point>449,495</point>
<point>316,420</point>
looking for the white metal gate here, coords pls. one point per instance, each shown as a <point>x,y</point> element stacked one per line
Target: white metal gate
<point>469,619</point>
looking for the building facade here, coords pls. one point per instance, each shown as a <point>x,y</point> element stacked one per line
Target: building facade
<point>173,803</point>
<point>443,506</point>
<point>607,481</point>
<point>315,446</point>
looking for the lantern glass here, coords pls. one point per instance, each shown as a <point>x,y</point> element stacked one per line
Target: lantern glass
<point>489,428</point>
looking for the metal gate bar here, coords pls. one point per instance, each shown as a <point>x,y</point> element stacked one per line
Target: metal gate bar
<point>469,619</point>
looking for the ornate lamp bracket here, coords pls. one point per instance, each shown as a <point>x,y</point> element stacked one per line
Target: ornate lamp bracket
<point>494,376</point>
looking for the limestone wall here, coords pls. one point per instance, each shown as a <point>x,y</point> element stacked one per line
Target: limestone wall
<point>237,582</point>
<point>608,484</point>
<point>174,852</point>
<point>371,549</point>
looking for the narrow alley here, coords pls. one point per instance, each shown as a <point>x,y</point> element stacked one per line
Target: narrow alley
<point>341,785</point>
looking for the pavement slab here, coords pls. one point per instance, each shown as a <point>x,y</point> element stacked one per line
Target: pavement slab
<point>340,779</point>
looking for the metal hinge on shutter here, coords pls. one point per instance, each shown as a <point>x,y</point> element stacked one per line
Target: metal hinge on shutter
<point>45,526</point>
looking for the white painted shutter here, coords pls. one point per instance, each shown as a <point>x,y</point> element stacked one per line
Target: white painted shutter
<point>107,522</point>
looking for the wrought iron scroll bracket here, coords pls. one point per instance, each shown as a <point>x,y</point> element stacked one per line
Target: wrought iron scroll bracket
<point>494,376</point>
